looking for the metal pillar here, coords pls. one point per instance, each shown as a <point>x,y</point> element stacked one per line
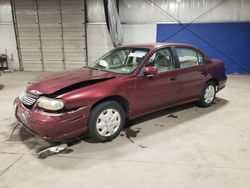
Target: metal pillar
<point>13,8</point>
<point>62,35</point>
<point>40,37</point>
<point>84,21</point>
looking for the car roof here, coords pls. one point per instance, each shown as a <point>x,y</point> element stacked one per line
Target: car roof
<point>156,45</point>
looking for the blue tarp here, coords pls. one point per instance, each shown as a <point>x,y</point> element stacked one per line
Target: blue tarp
<point>229,42</point>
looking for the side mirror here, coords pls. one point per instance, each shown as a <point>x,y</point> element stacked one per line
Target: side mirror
<point>150,71</point>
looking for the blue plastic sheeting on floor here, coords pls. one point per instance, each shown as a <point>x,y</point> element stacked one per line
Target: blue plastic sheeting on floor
<point>229,42</point>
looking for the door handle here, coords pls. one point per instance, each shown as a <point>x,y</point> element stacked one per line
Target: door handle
<point>172,78</point>
<point>204,73</point>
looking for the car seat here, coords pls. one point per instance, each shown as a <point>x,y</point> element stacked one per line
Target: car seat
<point>163,63</point>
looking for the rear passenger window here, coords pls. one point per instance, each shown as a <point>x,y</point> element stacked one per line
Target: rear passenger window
<point>187,57</point>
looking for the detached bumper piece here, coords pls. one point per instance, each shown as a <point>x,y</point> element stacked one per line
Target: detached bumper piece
<point>52,151</point>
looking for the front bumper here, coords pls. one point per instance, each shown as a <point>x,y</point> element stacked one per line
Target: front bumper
<point>52,127</point>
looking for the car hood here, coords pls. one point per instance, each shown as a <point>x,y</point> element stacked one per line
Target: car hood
<point>53,82</point>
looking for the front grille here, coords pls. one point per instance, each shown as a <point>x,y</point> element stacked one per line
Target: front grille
<point>27,99</point>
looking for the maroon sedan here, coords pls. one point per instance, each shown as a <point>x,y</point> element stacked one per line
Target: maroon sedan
<point>125,83</point>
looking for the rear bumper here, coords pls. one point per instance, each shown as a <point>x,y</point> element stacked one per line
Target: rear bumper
<point>52,127</point>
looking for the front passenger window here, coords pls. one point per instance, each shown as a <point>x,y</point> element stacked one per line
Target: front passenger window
<point>162,60</point>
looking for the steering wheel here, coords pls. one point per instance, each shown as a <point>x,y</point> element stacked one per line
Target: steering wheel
<point>103,64</point>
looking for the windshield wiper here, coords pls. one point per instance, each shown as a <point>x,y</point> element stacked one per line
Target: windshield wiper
<point>95,68</point>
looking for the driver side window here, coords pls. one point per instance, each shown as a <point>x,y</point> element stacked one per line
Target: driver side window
<point>161,59</point>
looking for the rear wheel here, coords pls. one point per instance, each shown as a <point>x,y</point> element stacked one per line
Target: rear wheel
<point>208,94</point>
<point>106,121</point>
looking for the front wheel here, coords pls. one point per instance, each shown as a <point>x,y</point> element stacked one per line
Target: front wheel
<point>106,121</point>
<point>208,94</point>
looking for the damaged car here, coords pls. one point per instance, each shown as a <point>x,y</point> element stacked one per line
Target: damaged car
<point>125,83</point>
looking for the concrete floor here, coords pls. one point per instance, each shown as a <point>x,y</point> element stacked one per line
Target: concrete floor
<point>182,147</point>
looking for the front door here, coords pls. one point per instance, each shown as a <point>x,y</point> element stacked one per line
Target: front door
<point>160,90</point>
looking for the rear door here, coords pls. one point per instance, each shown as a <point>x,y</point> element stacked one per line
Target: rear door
<point>161,89</point>
<point>192,72</point>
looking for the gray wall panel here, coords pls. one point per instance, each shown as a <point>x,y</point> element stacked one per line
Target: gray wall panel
<point>7,34</point>
<point>53,31</point>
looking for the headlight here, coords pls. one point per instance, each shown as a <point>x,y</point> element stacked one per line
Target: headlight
<point>50,104</point>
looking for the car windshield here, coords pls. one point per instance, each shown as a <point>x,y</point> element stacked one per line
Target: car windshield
<point>121,60</point>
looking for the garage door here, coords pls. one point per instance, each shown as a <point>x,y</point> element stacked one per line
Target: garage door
<point>50,33</point>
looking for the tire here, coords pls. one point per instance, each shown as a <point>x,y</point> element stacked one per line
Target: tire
<point>208,94</point>
<point>106,121</point>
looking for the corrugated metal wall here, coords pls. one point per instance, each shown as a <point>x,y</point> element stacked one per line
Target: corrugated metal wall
<point>146,11</point>
<point>51,33</point>
<point>152,11</point>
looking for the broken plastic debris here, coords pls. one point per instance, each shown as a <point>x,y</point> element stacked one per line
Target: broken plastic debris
<point>51,151</point>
